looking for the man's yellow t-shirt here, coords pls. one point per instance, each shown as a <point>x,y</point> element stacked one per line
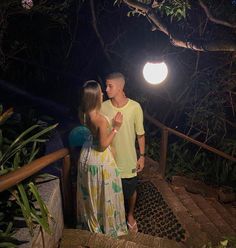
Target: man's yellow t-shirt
<point>124,141</point>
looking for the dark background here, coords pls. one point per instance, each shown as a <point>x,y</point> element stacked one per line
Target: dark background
<point>49,51</point>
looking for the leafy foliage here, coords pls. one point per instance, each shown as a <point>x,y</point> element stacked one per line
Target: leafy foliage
<point>187,159</point>
<point>25,32</point>
<point>153,148</point>
<point>210,120</point>
<point>176,10</point>
<point>22,200</point>
<point>204,109</point>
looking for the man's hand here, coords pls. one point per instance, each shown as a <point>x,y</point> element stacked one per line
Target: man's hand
<point>140,163</point>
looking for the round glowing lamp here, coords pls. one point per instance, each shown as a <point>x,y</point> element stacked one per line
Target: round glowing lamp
<point>155,73</point>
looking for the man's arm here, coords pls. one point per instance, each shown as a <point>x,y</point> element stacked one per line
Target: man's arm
<point>141,160</point>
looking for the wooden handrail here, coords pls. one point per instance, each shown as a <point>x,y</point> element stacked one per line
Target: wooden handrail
<point>15,177</point>
<point>183,136</point>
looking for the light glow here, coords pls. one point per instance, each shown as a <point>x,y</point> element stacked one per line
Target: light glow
<point>155,73</point>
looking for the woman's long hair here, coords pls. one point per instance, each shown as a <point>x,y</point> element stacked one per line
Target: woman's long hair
<point>90,99</point>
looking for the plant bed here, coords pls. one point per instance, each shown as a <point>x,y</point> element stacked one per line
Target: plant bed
<point>51,195</point>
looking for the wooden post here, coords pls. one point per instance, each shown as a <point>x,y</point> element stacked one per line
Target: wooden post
<point>67,190</point>
<point>163,151</point>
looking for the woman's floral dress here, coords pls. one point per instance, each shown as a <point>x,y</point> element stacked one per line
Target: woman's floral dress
<point>99,188</point>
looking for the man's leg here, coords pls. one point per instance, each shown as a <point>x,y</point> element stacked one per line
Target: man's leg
<point>131,206</point>
<point>130,196</point>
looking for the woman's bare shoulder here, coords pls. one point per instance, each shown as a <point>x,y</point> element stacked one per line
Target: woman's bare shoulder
<point>100,120</point>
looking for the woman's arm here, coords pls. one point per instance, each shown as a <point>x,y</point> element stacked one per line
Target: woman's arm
<point>105,136</point>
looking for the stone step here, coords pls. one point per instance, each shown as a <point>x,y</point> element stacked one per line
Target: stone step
<point>75,238</point>
<point>203,221</point>
<point>195,237</point>
<point>215,214</point>
<point>151,241</point>
<point>209,211</point>
<point>224,212</point>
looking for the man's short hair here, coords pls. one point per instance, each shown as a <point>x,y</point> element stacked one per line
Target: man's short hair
<point>116,75</point>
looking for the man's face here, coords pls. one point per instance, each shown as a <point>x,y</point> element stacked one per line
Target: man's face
<point>113,88</point>
<point>101,95</point>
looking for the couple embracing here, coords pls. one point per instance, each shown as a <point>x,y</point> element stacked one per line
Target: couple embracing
<point>108,164</point>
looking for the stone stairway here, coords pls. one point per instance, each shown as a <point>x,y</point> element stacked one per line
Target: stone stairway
<point>212,217</point>
<point>225,213</point>
<point>75,238</point>
<point>195,236</point>
<point>203,219</point>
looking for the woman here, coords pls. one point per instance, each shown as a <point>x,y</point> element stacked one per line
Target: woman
<point>100,196</point>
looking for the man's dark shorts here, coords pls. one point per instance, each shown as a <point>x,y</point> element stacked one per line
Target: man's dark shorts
<point>129,186</point>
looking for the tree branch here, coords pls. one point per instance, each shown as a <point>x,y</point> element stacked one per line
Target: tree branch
<point>94,24</point>
<point>202,45</point>
<point>147,11</point>
<point>213,19</point>
<point>73,36</point>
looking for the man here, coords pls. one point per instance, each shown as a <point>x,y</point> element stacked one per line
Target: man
<point>124,142</point>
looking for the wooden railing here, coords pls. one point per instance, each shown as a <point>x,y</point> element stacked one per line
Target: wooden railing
<point>164,143</point>
<point>15,177</point>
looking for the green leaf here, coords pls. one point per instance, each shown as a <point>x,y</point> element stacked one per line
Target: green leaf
<point>7,245</point>
<point>25,212</point>
<point>43,209</point>
<point>16,161</point>
<point>24,196</point>
<point>14,147</point>
<point>224,243</point>
<point>42,222</point>
<point>42,205</point>
<point>9,228</point>
<point>3,171</point>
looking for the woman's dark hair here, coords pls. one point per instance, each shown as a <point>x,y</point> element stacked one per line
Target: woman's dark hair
<point>90,99</point>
